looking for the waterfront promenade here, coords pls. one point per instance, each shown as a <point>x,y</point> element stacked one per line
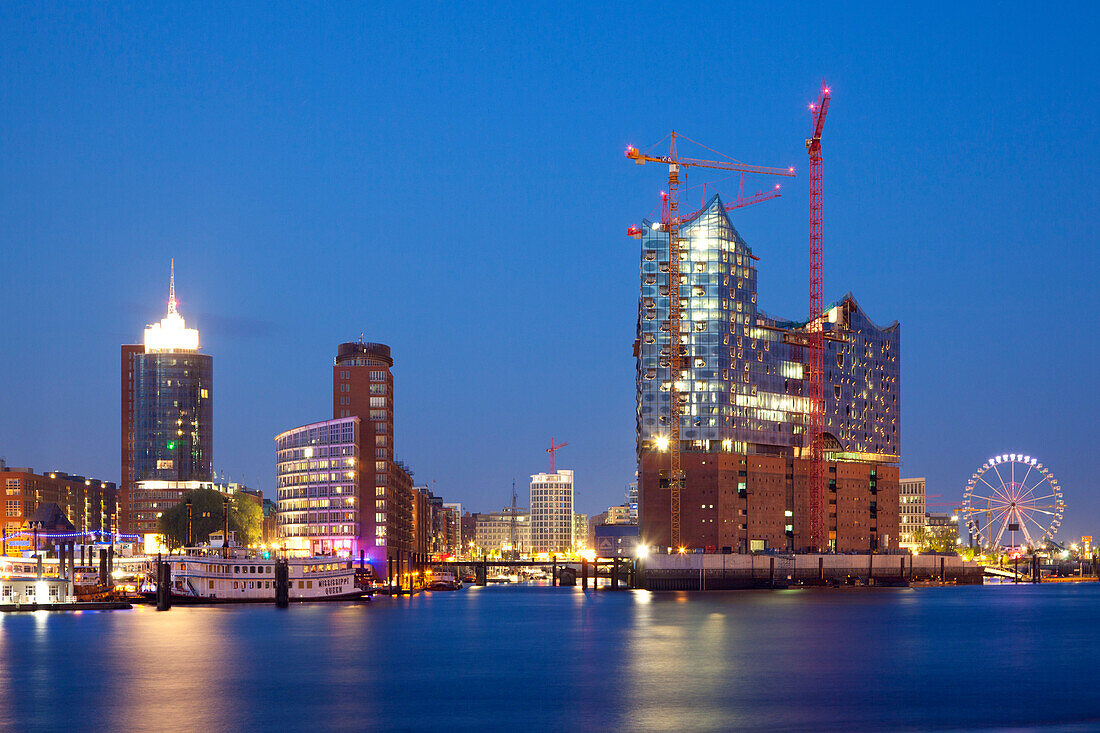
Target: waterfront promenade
<point>542,658</point>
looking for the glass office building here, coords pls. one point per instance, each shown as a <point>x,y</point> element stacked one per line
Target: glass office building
<point>743,373</point>
<point>173,416</point>
<point>167,415</point>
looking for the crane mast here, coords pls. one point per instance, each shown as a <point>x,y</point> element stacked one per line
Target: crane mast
<point>674,360</point>
<point>817,540</point>
<point>552,450</point>
<point>512,524</point>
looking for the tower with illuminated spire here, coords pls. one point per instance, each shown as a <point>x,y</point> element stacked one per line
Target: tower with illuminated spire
<point>167,419</point>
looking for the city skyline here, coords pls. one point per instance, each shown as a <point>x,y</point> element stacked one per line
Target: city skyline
<point>268,187</point>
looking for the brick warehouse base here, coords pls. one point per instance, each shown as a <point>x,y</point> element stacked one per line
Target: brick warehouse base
<point>746,503</point>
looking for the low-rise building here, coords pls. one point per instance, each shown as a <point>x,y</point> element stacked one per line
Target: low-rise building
<point>632,500</point>
<point>89,503</point>
<point>911,519</point>
<point>493,531</point>
<point>468,530</point>
<point>270,530</point>
<point>580,532</point>
<point>942,530</point>
<point>453,512</point>
<point>616,540</point>
<point>619,515</point>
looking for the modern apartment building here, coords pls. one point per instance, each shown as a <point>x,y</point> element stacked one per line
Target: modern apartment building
<point>745,390</point>
<point>167,417</point>
<point>552,512</point>
<point>912,516</point>
<point>322,502</point>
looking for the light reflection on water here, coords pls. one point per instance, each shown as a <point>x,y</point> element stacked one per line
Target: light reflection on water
<point>560,658</point>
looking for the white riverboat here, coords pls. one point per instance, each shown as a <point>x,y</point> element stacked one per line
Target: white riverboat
<point>238,575</point>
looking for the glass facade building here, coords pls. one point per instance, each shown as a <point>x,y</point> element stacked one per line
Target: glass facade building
<point>167,415</point>
<point>744,372</point>
<point>317,487</point>
<point>173,416</point>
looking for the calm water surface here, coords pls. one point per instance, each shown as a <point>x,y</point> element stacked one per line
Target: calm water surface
<point>535,657</point>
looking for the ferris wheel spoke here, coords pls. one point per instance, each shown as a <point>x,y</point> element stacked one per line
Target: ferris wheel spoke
<point>1023,481</point>
<point>998,515</point>
<point>991,501</point>
<point>1037,484</point>
<point>994,489</point>
<point>999,476</point>
<point>1001,531</point>
<point>1025,512</point>
<point>1023,525</point>
<point>995,499</point>
<point>1042,530</point>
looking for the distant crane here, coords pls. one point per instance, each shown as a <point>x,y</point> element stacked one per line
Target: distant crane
<point>512,524</point>
<point>552,450</point>
<point>816,326</point>
<point>675,355</point>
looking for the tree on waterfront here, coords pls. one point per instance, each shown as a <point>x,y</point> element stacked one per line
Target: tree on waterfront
<point>245,518</point>
<point>937,539</point>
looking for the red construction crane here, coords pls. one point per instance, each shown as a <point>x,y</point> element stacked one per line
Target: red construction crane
<point>818,539</point>
<point>675,354</point>
<point>756,198</point>
<point>552,450</point>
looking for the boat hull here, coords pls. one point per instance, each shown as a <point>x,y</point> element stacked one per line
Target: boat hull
<point>183,599</point>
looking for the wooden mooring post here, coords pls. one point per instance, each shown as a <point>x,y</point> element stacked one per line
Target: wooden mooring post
<point>584,573</point>
<point>282,584</point>
<point>164,585</point>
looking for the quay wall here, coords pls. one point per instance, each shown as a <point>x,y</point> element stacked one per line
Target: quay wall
<point>725,572</point>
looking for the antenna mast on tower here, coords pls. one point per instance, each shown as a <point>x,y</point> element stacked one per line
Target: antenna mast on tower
<point>172,289</point>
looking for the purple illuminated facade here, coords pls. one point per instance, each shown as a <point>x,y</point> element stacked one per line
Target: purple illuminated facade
<point>320,488</point>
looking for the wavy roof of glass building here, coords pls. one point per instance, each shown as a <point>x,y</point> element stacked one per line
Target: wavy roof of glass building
<point>744,375</point>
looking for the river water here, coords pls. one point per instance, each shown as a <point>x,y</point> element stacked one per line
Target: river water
<point>541,658</point>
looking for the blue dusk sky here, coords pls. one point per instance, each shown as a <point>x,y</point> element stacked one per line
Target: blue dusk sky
<point>449,179</point>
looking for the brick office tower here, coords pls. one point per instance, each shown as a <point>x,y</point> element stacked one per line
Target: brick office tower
<point>744,391</point>
<point>362,386</point>
<point>167,419</point>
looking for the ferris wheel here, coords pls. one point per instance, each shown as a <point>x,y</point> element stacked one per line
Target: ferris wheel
<point>1012,493</point>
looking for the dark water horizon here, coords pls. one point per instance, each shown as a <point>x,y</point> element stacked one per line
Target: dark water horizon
<point>540,658</point>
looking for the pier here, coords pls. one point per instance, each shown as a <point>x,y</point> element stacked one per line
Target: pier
<point>730,572</point>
